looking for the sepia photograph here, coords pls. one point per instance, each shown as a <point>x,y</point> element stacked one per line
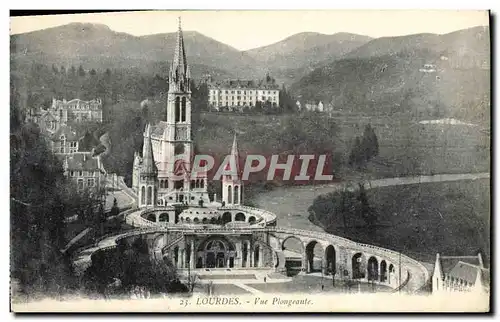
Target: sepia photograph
<point>202,161</point>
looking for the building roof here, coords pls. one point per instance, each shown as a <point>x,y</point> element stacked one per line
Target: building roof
<point>81,161</point>
<point>464,271</point>
<point>465,268</point>
<point>244,84</point>
<point>97,103</point>
<point>69,133</point>
<point>158,129</point>
<point>48,115</point>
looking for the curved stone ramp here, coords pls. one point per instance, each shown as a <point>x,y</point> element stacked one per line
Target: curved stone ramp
<point>418,273</point>
<point>136,218</point>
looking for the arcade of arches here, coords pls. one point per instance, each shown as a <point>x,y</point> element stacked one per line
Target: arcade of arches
<point>217,252</point>
<point>312,257</point>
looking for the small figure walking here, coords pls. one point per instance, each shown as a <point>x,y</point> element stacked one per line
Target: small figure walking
<point>322,287</point>
<point>265,279</point>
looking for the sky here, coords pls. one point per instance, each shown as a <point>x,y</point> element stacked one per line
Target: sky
<point>244,30</point>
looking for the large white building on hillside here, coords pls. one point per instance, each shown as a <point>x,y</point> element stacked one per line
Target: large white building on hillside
<point>240,94</point>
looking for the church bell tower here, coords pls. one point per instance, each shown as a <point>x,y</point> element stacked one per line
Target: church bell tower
<point>178,147</point>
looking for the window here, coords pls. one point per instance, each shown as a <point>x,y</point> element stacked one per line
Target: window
<point>72,173</point>
<point>90,182</point>
<point>232,92</point>
<point>238,98</point>
<point>80,184</point>
<point>73,146</point>
<point>80,173</point>
<point>226,92</point>
<point>177,109</point>
<point>239,92</point>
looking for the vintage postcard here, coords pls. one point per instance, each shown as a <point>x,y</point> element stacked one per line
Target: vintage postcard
<point>250,161</point>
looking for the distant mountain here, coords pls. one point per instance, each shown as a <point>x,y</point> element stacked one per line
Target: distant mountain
<point>300,53</point>
<point>472,41</point>
<point>425,74</point>
<point>97,46</point>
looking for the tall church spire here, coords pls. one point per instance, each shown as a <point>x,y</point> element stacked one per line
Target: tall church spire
<point>179,77</point>
<point>180,62</point>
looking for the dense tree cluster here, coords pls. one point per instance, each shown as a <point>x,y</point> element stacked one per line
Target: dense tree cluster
<point>40,200</point>
<point>131,264</point>
<point>37,84</point>
<point>365,148</point>
<point>347,209</point>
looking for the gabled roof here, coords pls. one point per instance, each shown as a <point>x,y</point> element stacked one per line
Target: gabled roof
<point>81,161</point>
<point>464,271</point>
<point>69,133</point>
<point>48,115</point>
<point>465,268</point>
<point>158,129</point>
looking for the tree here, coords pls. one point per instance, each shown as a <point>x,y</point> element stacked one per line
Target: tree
<point>369,143</point>
<point>38,208</point>
<point>81,71</point>
<point>366,211</point>
<point>357,156</point>
<point>193,281</point>
<point>114,210</point>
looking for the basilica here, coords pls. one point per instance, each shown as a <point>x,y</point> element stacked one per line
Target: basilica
<point>163,174</point>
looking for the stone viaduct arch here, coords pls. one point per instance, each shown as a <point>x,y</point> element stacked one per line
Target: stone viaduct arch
<point>292,249</point>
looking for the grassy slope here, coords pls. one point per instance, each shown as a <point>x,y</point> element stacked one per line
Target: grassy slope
<point>436,149</point>
<point>420,220</point>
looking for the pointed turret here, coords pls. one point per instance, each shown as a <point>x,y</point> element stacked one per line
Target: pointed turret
<point>437,275</point>
<point>148,162</point>
<point>235,155</point>
<point>232,185</point>
<point>438,269</point>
